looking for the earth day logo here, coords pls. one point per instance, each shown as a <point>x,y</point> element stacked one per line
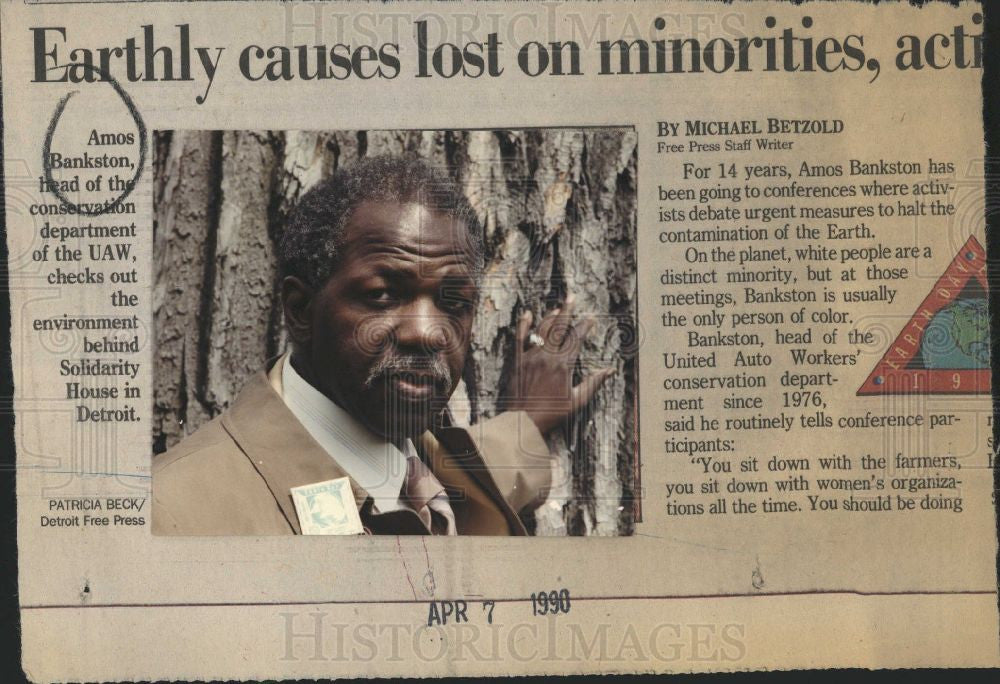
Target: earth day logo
<point>945,346</point>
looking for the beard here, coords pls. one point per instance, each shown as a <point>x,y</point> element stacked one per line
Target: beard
<point>414,388</point>
<point>394,363</point>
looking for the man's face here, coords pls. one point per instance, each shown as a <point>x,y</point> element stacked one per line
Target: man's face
<point>390,329</point>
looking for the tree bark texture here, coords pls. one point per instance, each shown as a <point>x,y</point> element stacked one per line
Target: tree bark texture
<point>558,208</point>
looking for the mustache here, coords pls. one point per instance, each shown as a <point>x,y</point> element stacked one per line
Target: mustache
<point>394,364</point>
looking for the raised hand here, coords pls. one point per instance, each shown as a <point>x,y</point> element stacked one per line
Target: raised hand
<point>542,381</point>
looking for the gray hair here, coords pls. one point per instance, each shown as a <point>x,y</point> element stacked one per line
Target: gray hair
<point>310,244</point>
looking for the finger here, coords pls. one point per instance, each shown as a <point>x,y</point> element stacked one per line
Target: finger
<point>567,307</point>
<point>584,392</point>
<point>577,334</point>
<point>560,328</point>
<point>546,325</point>
<point>523,329</point>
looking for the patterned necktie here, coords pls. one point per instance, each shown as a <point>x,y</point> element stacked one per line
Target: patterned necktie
<point>426,495</point>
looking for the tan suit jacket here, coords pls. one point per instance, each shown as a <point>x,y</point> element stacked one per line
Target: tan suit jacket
<point>233,476</point>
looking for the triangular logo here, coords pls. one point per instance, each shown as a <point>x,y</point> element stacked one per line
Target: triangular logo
<point>945,346</point>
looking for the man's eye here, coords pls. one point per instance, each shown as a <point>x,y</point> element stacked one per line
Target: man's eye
<point>379,295</point>
<point>456,305</point>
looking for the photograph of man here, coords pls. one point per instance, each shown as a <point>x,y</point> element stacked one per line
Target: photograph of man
<point>380,272</point>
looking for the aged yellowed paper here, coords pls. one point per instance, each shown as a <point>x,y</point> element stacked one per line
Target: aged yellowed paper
<point>632,337</point>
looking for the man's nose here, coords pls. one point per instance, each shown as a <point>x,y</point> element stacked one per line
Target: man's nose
<point>422,326</point>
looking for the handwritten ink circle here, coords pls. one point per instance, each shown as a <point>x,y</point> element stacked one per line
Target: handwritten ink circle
<point>50,133</point>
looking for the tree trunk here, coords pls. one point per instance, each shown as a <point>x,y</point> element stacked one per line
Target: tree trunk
<point>558,209</point>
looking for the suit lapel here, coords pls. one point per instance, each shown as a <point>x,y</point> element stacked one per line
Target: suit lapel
<point>279,448</point>
<point>457,463</point>
<point>285,455</point>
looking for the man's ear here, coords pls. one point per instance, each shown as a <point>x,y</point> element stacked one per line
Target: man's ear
<point>296,301</point>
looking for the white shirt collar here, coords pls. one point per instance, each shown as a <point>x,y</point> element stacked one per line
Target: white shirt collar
<point>374,463</point>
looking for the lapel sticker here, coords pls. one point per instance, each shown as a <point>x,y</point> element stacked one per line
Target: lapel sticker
<point>327,508</point>
<point>945,346</point>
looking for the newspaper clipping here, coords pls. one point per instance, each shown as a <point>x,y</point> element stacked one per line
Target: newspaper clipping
<point>585,337</point>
